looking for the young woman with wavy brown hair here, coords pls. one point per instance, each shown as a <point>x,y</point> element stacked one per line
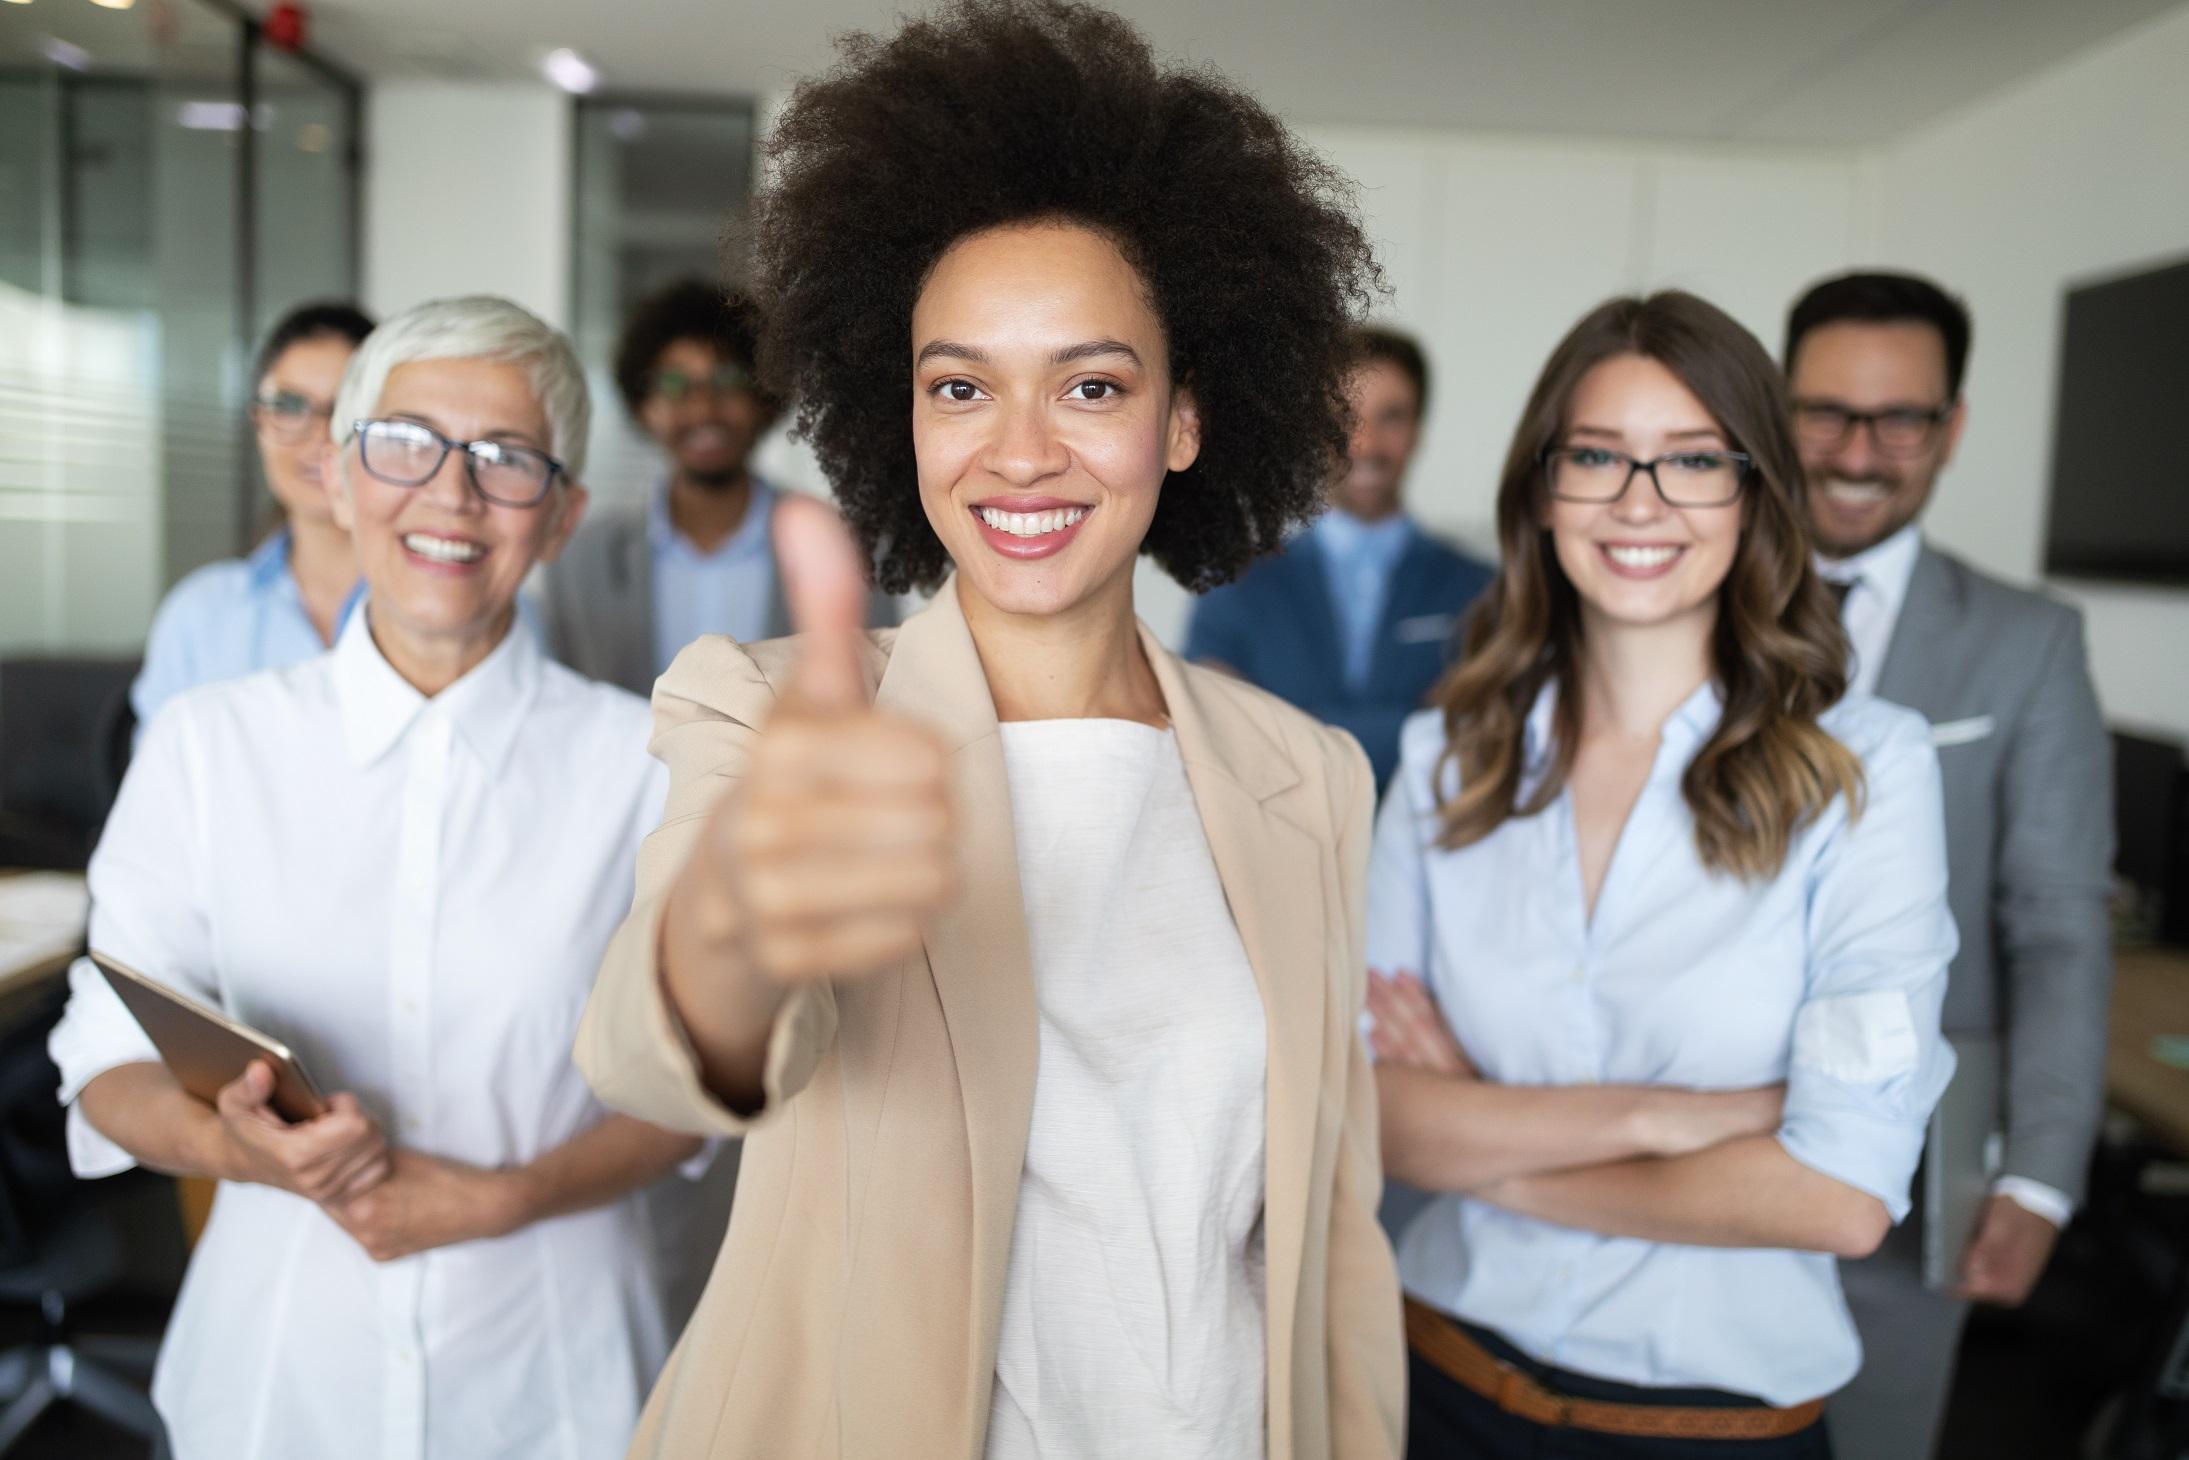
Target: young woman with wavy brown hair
<point>1664,913</point>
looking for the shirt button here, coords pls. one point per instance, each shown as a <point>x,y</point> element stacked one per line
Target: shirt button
<point>413,1124</point>
<point>410,1006</point>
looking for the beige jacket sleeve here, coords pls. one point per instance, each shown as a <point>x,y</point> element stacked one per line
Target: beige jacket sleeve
<point>1367,1339</point>
<point>631,1047</point>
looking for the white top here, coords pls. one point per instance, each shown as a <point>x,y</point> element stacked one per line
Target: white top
<point>1877,584</point>
<point>414,895</point>
<point>1133,1309</point>
<point>1877,587</point>
<point>1828,976</point>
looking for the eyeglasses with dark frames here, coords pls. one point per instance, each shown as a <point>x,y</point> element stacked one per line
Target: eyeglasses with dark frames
<point>408,453</point>
<point>288,416</point>
<point>1826,425</point>
<point>1597,475</point>
<point>727,378</point>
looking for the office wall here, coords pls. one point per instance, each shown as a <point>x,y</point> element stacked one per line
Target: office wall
<point>2079,173</point>
<point>1495,244</point>
<point>467,190</point>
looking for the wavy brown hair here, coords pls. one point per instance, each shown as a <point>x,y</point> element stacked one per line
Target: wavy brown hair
<point>1779,654</point>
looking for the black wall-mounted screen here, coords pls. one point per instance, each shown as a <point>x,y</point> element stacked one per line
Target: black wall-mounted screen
<point>2120,444</point>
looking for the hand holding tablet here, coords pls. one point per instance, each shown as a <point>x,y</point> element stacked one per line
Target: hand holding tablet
<point>279,1129</point>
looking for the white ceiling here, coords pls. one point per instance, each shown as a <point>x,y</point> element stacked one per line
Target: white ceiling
<point>1801,71</point>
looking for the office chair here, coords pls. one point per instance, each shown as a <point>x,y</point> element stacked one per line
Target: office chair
<point>60,1244</point>
<point>65,732</point>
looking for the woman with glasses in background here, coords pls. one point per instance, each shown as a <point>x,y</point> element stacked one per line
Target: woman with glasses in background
<point>285,601</point>
<point>1664,915</point>
<point>403,858</point>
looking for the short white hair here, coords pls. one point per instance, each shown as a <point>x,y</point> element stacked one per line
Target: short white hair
<point>474,327</point>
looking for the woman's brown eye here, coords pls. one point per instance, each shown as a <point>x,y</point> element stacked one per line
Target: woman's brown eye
<point>1095,389</point>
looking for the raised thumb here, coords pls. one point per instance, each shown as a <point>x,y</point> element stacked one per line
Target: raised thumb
<point>824,583</point>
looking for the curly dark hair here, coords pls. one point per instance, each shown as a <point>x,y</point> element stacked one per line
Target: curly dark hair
<point>690,309</point>
<point>994,112</point>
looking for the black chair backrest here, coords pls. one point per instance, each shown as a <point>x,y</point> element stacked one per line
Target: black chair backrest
<point>64,737</point>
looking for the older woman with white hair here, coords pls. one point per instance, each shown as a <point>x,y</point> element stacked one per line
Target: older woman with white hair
<point>402,858</point>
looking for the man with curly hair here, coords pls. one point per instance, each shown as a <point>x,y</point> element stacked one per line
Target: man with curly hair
<point>635,587</point>
<point>1359,615</point>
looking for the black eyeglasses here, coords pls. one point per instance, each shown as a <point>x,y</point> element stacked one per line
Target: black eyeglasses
<point>408,453</point>
<point>1825,425</point>
<point>1597,474</point>
<point>289,417</point>
<point>724,379</point>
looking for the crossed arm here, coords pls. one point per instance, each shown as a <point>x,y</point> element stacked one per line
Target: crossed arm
<point>1694,1167</point>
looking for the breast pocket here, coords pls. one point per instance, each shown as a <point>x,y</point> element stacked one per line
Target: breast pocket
<point>1424,628</point>
<point>1946,733</point>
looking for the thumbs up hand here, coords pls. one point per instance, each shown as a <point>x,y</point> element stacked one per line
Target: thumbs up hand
<point>834,852</point>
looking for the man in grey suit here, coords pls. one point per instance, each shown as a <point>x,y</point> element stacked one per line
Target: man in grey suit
<point>633,588</point>
<point>1875,362</point>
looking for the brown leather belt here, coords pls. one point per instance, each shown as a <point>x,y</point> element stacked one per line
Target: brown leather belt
<point>1446,1346</point>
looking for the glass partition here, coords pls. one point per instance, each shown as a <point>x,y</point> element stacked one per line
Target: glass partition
<point>171,185</point>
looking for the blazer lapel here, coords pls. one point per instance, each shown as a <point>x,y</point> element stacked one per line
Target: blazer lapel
<point>977,951</point>
<point>1271,870</point>
<point>1310,589</point>
<point>1911,670</point>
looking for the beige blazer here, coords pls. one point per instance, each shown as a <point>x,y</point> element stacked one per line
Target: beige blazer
<point>854,1308</point>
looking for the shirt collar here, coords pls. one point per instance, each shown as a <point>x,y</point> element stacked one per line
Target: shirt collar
<point>1346,537</point>
<point>269,561</point>
<point>1883,568</point>
<point>751,534</point>
<point>487,707</point>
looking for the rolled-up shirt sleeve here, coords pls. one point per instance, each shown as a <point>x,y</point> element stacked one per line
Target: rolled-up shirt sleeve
<point>1868,1061</point>
<point>147,911</point>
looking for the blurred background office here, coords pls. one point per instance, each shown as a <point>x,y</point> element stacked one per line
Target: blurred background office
<point>176,175</point>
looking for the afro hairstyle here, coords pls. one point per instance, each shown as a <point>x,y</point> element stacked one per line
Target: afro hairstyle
<point>994,112</point>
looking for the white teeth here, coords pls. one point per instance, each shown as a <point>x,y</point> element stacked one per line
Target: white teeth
<point>1642,557</point>
<point>442,549</point>
<point>1031,524</point>
<point>1858,493</point>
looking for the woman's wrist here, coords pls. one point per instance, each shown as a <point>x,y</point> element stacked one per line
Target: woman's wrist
<point>520,1198</point>
<point>214,1153</point>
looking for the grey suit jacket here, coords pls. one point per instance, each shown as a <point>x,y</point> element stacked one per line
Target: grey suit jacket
<point>2000,673</point>
<point>597,603</point>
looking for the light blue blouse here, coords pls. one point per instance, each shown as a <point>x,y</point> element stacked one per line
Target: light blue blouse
<point>1829,976</point>
<point>228,619</point>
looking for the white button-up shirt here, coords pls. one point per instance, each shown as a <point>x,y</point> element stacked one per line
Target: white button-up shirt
<point>1828,976</point>
<point>414,895</point>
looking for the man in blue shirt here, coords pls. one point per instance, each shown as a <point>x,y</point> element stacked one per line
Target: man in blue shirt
<point>1357,617</point>
<point>632,589</point>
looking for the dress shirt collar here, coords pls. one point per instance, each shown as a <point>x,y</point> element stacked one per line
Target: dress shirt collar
<point>269,561</point>
<point>488,706</point>
<point>1346,538</point>
<point>1883,569</point>
<point>750,537</point>
<point>1686,728</point>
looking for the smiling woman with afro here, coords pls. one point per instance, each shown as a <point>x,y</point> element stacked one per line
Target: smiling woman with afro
<point>1001,113</point>
<point>1027,959</point>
